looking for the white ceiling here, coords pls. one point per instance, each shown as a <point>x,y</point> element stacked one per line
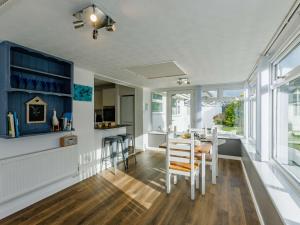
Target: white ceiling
<point>158,70</point>
<point>213,41</point>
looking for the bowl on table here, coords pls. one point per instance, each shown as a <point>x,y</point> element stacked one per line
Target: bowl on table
<point>185,135</point>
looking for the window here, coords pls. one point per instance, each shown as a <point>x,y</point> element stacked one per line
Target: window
<point>287,141</point>
<point>157,102</point>
<point>286,138</point>
<point>211,107</point>
<point>233,111</point>
<point>225,111</point>
<point>180,110</point>
<point>158,111</point>
<point>176,106</point>
<point>290,62</point>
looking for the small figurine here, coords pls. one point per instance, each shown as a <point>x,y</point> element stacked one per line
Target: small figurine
<point>55,122</point>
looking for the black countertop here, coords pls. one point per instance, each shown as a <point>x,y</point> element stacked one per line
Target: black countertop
<point>108,128</point>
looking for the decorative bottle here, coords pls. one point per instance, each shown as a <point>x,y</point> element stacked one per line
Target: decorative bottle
<point>55,121</point>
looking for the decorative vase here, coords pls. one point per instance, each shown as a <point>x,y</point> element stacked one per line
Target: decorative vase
<point>55,122</point>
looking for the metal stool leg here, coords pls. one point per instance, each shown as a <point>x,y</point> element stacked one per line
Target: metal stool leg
<point>114,154</point>
<point>104,155</point>
<point>122,150</point>
<point>131,145</point>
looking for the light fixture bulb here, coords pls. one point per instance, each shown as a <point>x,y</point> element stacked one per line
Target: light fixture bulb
<point>93,18</point>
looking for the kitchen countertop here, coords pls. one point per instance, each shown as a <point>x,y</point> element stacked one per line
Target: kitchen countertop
<point>108,128</point>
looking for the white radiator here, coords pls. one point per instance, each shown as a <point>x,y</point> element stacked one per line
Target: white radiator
<point>22,174</point>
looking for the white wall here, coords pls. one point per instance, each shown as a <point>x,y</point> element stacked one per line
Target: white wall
<point>146,115</point>
<point>83,113</point>
<point>139,135</point>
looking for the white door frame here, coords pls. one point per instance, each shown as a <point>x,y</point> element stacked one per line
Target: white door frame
<point>169,109</point>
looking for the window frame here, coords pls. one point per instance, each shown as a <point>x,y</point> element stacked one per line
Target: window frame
<point>251,99</point>
<point>277,82</point>
<point>164,110</point>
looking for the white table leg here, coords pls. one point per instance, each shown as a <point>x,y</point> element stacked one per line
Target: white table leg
<point>175,179</point>
<point>168,182</point>
<point>203,173</point>
<point>217,166</point>
<point>213,174</point>
<point>197,179</point>
<point>192,186</point>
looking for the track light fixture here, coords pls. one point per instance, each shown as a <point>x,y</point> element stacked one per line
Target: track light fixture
<point>183,81</point>
<point>92,16</point>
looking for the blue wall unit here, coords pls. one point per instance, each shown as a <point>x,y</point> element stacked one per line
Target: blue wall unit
<point>26,73</point>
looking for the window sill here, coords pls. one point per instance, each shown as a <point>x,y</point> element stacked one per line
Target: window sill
<point>158,132</point>
<point>229,136</point>
<point>284,195</point>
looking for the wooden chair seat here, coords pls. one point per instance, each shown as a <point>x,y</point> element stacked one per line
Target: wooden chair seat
<point>186,167</point>
<point>202,148</point>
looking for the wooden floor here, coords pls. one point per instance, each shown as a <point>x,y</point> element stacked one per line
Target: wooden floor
<point>138,197</point>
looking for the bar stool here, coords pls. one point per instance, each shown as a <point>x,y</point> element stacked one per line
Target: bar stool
<point>111,146</point>
<point>127,142</point>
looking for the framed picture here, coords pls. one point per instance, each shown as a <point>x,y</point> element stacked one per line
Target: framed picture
<point>83,93</point>
<point>36,111</point>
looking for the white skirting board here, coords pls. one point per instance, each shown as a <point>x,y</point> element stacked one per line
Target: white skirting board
<point>252,195</point>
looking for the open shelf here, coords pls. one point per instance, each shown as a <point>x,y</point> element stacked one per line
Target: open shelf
<point>38,92</point>
<point>26,74</point>
<point>39,72</point>
<point>37,134</point>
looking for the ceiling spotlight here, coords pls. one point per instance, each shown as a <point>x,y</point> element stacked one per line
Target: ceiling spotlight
<point>95,18</point>
<point>78,26</point>
<point>111,25</point>
<point>183,81</point>
<point>77,22</point>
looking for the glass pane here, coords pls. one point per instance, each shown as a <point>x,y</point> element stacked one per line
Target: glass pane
<point>210,94</point>
<point>253,119</point>
<point>209,98</point>
<point>158,110</point>
<point>181,111</point>
<point>233,93</point>
<point>288,126</point>
<point>226,113</point>
<point>290,62</point>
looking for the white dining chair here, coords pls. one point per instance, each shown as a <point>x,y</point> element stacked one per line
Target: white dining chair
<point>212,158</point>
<point>180,160</point>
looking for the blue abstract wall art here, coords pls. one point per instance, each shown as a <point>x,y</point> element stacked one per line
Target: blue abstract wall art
<point>83,93</point>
